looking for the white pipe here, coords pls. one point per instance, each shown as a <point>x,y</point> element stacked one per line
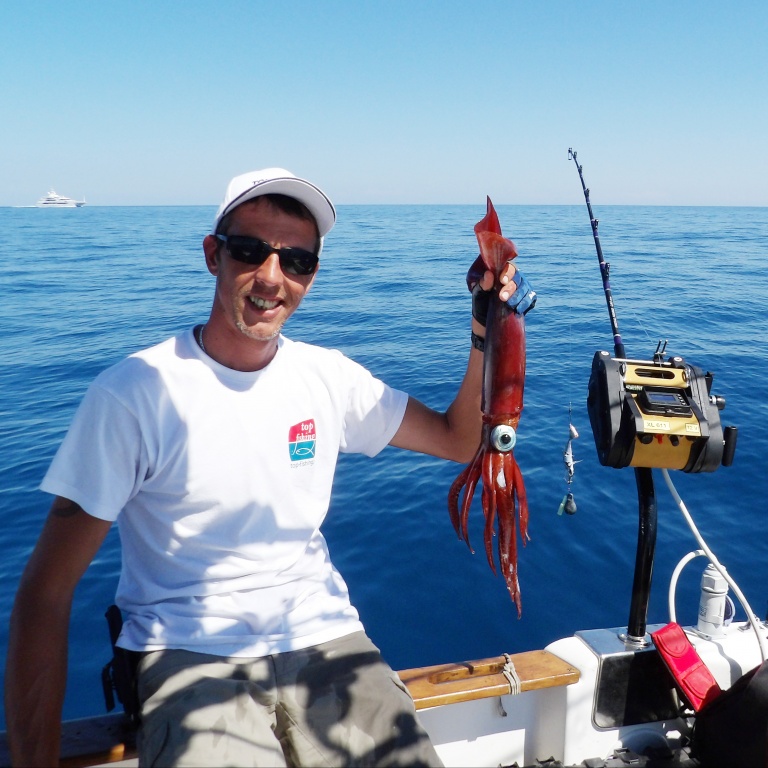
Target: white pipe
<point>751,618</point>
<point>675,576</point>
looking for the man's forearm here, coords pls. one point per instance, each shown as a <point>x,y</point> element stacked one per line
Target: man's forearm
<point>36,670</point>
<point>456,433</point>
<point>36,667</point>
<point>464,415</point>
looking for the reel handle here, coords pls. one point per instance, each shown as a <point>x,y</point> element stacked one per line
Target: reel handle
<point>729,445</point>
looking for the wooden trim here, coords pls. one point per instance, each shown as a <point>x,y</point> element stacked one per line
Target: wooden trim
<point>97,740</point>
<point>117,753</point>
<point>469,680</point>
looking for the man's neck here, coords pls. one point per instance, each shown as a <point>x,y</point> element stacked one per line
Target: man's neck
<point>236,350</point>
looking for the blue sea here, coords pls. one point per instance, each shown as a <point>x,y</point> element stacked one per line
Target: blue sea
<point>83,288</point>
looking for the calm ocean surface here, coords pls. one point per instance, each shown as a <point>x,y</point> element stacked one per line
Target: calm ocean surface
<point>83,288</point>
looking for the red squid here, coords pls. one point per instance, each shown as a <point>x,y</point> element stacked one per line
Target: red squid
<point>503,496</point>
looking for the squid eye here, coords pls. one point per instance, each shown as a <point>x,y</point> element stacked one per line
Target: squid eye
<point>503,438</point>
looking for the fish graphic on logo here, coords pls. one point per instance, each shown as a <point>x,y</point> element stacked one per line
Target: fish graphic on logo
<point>302,439</point>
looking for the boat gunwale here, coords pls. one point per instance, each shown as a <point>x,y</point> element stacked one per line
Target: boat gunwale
<point>102,739</point>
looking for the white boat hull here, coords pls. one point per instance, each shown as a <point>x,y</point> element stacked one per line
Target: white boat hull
<point>54,200</point>
<point>78,204</point>
<point>559,722</point>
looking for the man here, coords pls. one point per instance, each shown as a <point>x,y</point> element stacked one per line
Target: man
<point>215,453</point>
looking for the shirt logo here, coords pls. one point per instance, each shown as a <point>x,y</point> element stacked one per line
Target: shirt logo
<point>302,439</point>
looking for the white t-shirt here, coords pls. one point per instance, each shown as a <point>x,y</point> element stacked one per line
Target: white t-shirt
<point>219,481</point>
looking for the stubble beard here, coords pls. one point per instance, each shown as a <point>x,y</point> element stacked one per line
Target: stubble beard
<point>256,335</point>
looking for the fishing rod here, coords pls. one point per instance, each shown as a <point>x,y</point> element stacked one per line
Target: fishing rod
<point>657,414</point>
<point>605,267</point>
<point>648,515</point>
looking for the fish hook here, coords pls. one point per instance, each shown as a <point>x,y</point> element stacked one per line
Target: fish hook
<point>568,504</point>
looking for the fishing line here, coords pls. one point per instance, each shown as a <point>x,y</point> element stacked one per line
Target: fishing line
<point>639,321</point>
<point>568,504</point>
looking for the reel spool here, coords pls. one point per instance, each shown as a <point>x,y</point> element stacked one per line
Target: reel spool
<point>657,414</point>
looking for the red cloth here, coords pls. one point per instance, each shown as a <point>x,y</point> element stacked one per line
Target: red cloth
<point>693,677</point>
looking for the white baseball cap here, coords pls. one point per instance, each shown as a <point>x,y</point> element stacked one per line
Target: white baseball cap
<point>278,181</point>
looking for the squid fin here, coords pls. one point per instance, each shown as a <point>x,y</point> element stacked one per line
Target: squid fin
<point>495,250</point>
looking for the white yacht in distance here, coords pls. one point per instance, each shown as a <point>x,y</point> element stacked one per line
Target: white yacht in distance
<point>54,200</point>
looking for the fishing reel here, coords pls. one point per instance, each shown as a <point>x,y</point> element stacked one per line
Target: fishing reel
<point>657,414</point>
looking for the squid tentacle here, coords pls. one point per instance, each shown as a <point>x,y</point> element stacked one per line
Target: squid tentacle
<point>469,493</point>
<point>455,492</point>
<point>522,504</point>
<point>489,496</point>
<point>508,544</point>
<point>491,509</point>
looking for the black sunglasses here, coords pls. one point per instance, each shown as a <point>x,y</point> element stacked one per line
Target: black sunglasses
<point>251,250</point>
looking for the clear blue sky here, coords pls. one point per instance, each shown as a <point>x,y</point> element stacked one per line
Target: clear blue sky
<point>398,101</point>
